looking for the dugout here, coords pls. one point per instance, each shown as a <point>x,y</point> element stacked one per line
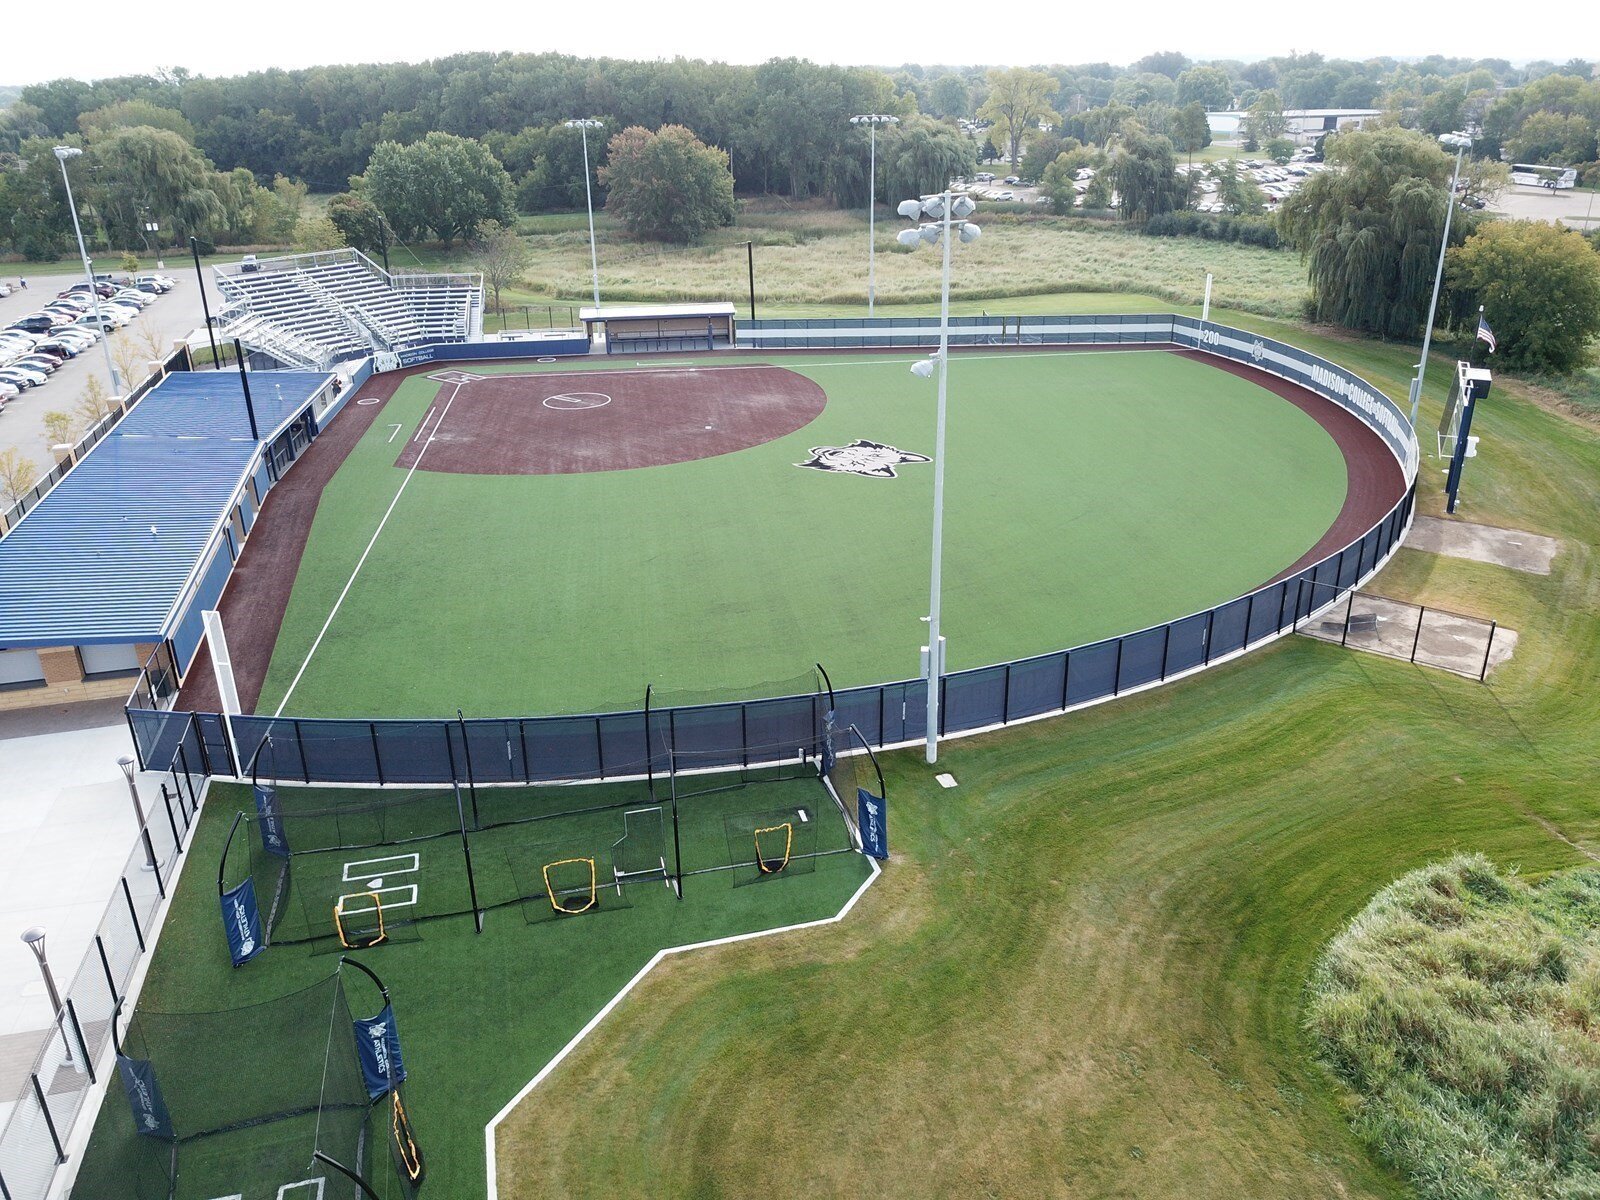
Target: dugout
<point>642,328</point>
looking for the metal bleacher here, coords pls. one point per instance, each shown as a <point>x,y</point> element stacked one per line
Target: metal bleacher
<point>313,310</point>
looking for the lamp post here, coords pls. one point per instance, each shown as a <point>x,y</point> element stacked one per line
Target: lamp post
<point>948,213</point>
<point>33,939</point>
<point>586,124</point>
<point>153,228</point>
<point>205,307</point>
<point>872,121</point>
<point>130,766</point>
<point>1460,143</point>
<point>62,154</point>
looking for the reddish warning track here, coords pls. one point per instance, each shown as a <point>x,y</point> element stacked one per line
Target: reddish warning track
<point>257,594</point>
<point>576,422</point>
<point>1376,480</point>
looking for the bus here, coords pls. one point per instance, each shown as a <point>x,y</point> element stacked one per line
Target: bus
<point>1534,175</point>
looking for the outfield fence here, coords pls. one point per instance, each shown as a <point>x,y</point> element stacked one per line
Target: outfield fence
<point>620,744</point>
<point>58,1096</point>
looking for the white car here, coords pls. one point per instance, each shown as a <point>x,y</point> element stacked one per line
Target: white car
<point>133,296</point>
<point>16,374</point>
<point>74,335</point>
<point>118,314</point>
<point>161,281</point>
<point>9,391</point>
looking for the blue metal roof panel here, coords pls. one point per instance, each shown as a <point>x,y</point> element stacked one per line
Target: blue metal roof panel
<point>104,557</point>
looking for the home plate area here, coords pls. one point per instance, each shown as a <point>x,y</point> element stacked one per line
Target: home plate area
<point>574,422</point>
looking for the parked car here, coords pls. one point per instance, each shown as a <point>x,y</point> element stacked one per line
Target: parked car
<point>135,297</point>
<point>22,376</point>
<point>9,391</point>
<point>163,283</point>
<point>106,322</point>
<point>61,349</point>
<point>43,363</point>
<point>33,323</point>
<point>115,308</point>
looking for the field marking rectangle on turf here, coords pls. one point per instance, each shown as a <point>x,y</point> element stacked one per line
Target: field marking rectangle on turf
<point>288,1192</point>
<point>415,861</point>
<point>380,893</point>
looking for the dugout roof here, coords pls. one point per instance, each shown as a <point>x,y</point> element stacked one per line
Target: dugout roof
<point>657,312</point>
<point>106,555</point>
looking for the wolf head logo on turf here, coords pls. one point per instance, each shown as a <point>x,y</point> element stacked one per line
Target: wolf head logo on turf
<point>861,457</point>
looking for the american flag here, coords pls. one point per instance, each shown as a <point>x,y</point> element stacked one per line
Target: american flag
<point>1485,334</point>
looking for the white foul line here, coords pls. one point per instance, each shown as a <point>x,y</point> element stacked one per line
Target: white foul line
<point>656,960</point>
<point>394,430</point>
<point>400,491</point>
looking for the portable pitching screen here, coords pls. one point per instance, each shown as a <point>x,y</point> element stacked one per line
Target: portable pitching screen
<point>290,1098</point>
<point>757,824</point>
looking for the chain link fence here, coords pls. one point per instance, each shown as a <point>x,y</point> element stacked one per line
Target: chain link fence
<point>1434,637</point>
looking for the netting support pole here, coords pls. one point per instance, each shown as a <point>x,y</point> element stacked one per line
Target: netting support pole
<point>1484,673</point>
<point>677,848</point>
<point>466,851</point>
<point>1422,615</point>
<point>466,753</point>
<point>133,913</point>
<point>83,1045</point>
<point>1349,611</point>
<point>347,1172</point>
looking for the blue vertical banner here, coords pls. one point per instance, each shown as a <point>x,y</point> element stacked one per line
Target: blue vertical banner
<point>872,818</point>
<point>150,1116</point>
<point>273,839</point>
<point>378,1049</point>
<point>241,921</point>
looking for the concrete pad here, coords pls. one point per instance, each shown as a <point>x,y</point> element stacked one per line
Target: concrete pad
<point>66,832</point>
<point>1530,552</point>
<point>1429,637</point>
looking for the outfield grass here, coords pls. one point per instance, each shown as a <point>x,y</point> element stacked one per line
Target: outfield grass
<point>1088,495</point>
<point>1084,972</point>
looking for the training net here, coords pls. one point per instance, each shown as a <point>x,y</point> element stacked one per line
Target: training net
<point>251,1102</point>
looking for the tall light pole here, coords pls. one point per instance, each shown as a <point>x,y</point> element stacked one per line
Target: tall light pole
<point>872,121</point>
<point>586,124</point>
<point>1460,143</point>
<point>130,767</point>
<point>62,154</point>
<point>948,213</point>
<point>34,940</point>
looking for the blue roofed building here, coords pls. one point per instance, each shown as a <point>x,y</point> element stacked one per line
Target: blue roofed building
<point>114,566</point>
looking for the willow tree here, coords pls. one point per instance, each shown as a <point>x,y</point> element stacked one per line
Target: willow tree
<point>1145,175</point>
<point>1369,229</point>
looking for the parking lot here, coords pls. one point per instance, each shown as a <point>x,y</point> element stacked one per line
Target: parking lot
<point>170,318</point>
<point>1576,209</point>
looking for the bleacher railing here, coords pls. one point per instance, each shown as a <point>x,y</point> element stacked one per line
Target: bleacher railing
<point>609,745</point>
<point>37,1134</point>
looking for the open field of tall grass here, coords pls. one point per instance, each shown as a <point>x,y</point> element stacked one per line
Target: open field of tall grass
<point>810,256</point>
<point>1461,1007</point>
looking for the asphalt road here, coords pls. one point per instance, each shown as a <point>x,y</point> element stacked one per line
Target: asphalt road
<point>173,316</point>
<point>1577,210</point>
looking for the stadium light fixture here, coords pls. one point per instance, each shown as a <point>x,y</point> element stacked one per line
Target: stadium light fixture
<point>949,212</point>
<point>1460,143</point>
<point>872,121</point>
<point>33,939</point>
<point>585,124</point>
<point>62,154</point>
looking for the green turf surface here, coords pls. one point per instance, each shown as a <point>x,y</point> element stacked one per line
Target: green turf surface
<point>478,1014</point>
<point>1088,494</point>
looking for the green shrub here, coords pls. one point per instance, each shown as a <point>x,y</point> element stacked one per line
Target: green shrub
<point>1248,231</point>
<point>1459,1007</point>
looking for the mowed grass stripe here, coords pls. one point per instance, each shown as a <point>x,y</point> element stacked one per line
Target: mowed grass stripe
<point>1087,496</point>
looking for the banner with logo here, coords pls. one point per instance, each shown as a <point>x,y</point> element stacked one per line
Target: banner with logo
<point>378,1048</point>
<point>273,839</point>
<point>830,756</point>
<point>150,1116</point>
<point>241,921</point>
<point>871,816</point>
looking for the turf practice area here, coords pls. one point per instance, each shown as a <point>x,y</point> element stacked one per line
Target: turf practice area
<point>1088,494</point>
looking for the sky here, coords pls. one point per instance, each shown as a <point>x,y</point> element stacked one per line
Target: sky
<point>118,38</point>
